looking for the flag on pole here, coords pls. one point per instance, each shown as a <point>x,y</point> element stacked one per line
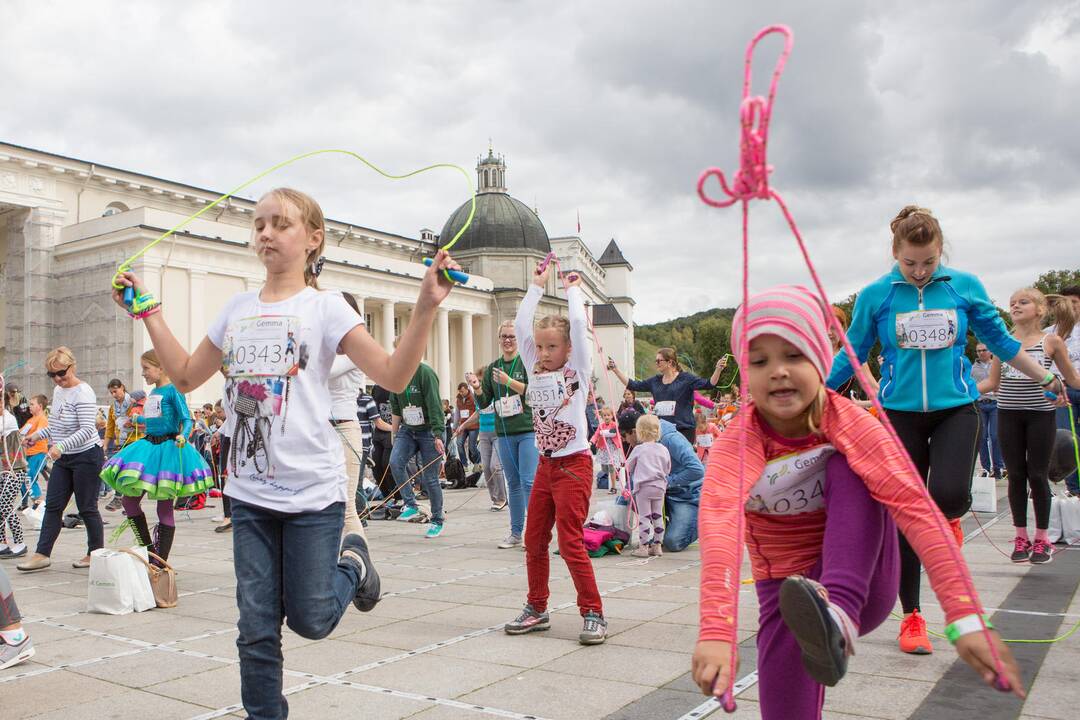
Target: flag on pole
<point>579,221</point>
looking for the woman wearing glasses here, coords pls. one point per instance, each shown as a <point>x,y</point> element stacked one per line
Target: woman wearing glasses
<point>75,449</point>
<point>672,389</point>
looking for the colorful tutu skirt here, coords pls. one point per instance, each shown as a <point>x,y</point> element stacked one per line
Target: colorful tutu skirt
<point>157,467</point>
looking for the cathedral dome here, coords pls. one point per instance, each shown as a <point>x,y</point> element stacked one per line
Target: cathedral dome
<point>501,221</point>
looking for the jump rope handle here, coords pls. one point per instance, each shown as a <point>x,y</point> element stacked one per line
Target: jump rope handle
<point>1050,396</point>
<point>455,275</point>
<point>727,701</point>
<point>1001,684</point>
<point>545,262</point>
<point>129,295</point>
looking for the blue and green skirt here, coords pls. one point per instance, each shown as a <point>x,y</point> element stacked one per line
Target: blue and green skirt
<point>157,467</point>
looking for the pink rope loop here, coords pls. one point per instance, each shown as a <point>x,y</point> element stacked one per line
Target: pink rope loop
<point>752,178</point>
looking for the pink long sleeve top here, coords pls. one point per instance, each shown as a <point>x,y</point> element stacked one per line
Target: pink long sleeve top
<point>785,509</point>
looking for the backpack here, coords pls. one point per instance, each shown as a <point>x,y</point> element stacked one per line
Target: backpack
<point>455,473</point>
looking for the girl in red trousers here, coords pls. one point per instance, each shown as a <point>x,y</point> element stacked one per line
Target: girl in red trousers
<point>558,360</point>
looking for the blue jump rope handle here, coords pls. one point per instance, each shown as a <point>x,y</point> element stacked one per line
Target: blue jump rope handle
<point>129,295</point>
<point>1050,395</point>
<point>455,275</point>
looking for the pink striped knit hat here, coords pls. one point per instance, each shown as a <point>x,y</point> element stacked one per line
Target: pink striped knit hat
<point>791,312</point>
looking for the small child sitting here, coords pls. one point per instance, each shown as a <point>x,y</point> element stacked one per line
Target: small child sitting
<point>648,467</point>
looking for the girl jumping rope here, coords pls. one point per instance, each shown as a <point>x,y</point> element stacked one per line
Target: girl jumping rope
<point>558,359</point>
<point>288,482</point>
<point>828,484</point>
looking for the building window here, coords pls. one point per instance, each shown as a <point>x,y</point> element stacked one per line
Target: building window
<point>367,321</point>
<point>114,208</point>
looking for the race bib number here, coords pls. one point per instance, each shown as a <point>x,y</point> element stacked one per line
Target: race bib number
<point>926,329</point>
<point>464,414</point>
<point>792,484</point>
<point>152,408</point>
<point>1008,371</point>
<point>509,406</point>
<point>704,441</point>
<point>665,408</point>
<point>267,346</point>
<point>413,415</point>
<point>547,390</point>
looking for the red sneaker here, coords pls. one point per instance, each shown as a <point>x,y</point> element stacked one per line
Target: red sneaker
<point>913,638</point>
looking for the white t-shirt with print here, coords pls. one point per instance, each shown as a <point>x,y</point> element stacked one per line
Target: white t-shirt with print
<point>285,455</point>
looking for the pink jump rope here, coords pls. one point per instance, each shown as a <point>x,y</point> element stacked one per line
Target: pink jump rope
<point>752,181</point>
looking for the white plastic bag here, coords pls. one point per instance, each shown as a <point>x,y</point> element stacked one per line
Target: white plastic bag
<point>34,517</point>
<point>118,583</point>
<point>1054,532</point>
<point>1070,520</point>
<point>983,494</point>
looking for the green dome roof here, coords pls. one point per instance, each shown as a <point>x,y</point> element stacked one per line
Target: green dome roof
<point>500,222</point>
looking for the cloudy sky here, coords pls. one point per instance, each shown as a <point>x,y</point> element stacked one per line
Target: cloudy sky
<point>969,107</point>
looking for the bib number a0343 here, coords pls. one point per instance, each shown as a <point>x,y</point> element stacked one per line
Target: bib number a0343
<point>926,329</point>
<point>267,346</point>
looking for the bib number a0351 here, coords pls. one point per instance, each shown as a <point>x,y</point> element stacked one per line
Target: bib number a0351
<point>792,484</point>
<point>547,390</point>
<point>926,329</point>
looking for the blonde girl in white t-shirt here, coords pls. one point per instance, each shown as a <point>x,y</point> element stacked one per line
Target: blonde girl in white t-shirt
<point>288,483</point>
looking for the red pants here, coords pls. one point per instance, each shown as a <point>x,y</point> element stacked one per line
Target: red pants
<point>560,497</point>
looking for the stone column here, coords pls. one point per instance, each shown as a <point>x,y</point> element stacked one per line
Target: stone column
<point>467,343</point>
<point>197,309</point>
<point>442,352</point>
<point>387,326</point>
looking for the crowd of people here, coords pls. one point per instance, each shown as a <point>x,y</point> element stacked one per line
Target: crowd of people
<point>320,430</point>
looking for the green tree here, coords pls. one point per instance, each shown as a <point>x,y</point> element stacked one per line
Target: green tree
<point>1052,281</point>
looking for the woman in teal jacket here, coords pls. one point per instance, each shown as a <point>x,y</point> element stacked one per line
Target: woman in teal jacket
<point>921,313</point>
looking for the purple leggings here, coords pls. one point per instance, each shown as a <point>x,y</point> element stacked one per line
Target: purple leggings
<point>164,509</point>
<point>860,567</point>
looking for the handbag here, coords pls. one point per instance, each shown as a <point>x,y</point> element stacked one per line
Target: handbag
<point>162,579</point>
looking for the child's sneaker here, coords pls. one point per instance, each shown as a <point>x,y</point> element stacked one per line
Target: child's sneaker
<point>354,551</point>
<point>511,541</point>
<point>434,530</point>
<point>825,634</point>
<point>640,551</point>
<point>408,514</point>
<point>1041,552</point>
<point>528,621</point>
<point>594,630</point>
<point>1021,550</point>
<point>913,638</point>
<point>656,550</point>
<point>11,655</point>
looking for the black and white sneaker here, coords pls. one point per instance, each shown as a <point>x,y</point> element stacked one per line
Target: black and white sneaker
<point>825,643</point>
<point>528,621</point>
<point>1041,552</point>
<point>593,630</point>
<point>354,551</point>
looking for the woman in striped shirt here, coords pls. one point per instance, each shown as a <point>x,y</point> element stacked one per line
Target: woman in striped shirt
<point>1026,424</point>
<point>75,449</point>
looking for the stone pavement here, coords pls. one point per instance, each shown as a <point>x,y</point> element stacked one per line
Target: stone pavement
<point>433,649</point>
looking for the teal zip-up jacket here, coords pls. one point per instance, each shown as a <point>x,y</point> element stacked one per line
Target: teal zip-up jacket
<point>924,380</point>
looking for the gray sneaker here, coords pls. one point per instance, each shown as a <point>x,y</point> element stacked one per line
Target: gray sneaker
<point>115,504</point>
<point>11,655</point>
<point>511,541</point>
<point>594,631</point>
<point>528,621</point>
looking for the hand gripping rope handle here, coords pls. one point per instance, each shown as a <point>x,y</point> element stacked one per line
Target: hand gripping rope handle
<point>452,275</point>
<point>752,181</point>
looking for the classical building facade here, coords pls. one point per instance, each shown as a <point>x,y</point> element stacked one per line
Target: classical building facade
<point>66,224</point>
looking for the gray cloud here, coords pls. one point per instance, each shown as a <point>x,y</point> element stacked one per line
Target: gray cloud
<point>610,108</point>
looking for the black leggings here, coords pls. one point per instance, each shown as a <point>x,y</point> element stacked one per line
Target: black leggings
<point>76,474</point>
<point>943,444</point>
<point>1027,440</point>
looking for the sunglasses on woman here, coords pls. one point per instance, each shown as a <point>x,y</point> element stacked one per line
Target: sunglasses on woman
<point>58,373</point>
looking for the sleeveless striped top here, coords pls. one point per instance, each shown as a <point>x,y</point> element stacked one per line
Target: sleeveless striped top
<point>1018,391</point>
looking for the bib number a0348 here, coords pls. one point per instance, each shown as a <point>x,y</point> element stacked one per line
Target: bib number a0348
<point>926,329</point>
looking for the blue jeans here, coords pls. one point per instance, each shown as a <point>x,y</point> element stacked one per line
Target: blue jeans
<point>519,456</point>
<point>33,471</point>
<point>989,447</point>
<point>1072,483</point>
<point>681,524</point>
<point>286,568</point>
<point>468,447</point>
<point>409,442</point>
